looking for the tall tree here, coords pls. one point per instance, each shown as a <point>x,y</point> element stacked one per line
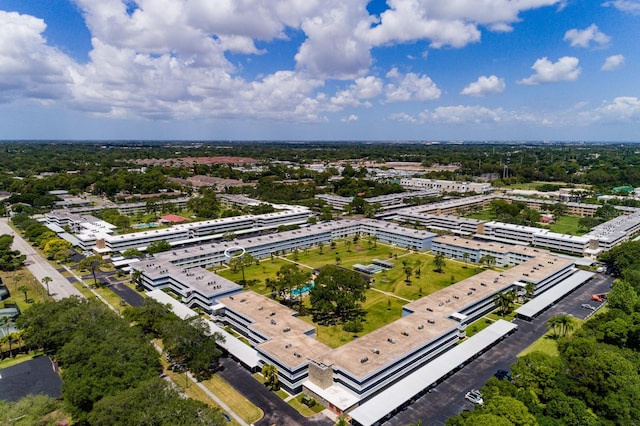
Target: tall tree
<point>439,262</point>
<point>270,374</point>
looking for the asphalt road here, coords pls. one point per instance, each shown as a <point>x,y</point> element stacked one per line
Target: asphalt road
<point>447,399</point>
<point>59,287</point>
<point>276,411</point>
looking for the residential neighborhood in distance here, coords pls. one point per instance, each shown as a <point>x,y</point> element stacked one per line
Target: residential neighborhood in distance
<point>361,288</point>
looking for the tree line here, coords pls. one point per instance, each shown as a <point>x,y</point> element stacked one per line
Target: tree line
<point>109,368</point>
<point>594,379</point>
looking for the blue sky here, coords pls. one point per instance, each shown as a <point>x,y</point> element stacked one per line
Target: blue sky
<point>320,69</point>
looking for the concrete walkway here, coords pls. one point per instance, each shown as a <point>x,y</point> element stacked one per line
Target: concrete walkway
<point>59,287</point>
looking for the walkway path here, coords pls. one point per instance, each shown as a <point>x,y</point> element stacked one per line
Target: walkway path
<point>59,287</point>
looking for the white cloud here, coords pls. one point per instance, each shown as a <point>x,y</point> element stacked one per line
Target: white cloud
<point>565,69</point>
<point>410,87</point>
<point>335,46</point>
<point>349,119</point>
<point>402,117</point>
<point>446,22</point>
<point>583,38</point>
<point>621,108</point>
<point>485,86</point>
<point>463,114</point>
<point>613,63</point>
<point>629,6</point>
<point>363,88</point>
<point>28,67</point>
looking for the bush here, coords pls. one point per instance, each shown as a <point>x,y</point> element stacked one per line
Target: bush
<point>353,326</point>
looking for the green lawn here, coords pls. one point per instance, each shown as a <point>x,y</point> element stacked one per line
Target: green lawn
<point>546,344</point>
<point>303,409</point>
<point>486,214</point>
<point>568,225</point>
<point>478,325</point>
<point>381,308</point>
<point>234,399</point>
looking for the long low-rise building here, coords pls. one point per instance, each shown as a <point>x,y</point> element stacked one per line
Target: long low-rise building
<point>180,261</point>
<point>444,186</point>
<point>346,376</point>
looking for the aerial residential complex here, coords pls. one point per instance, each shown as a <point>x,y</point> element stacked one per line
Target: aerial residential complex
<point>401,357</point>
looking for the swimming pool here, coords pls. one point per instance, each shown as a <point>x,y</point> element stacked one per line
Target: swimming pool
<point>304,289</point>
<point>145,225</point>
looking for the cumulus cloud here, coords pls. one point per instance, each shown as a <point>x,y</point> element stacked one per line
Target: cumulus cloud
<point>363,88</point>
<point>402,117</point>
<point>447,23</point>
<point>485,86</point>
<point>584,38</point>
<point>334,46</point>
<point>169,59</point>
<point>629,6</point>
<point>28,67</point>
<point>565,69</point>
<point>463,114</point>
<point>410,87</point>
<point>613,63</point>
<point>349,119</point>
<point>621,108</point>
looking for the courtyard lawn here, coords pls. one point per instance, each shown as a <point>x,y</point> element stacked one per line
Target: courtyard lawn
<point>486,214</point>
<point>429,281</point>
<point>380,310</point>
<point>349,253</point>
<point>567,225</point>
<point>266,269</point>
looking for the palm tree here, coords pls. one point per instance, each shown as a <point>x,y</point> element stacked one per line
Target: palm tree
<point>438,261</point>
<point>46,281</point>
<point>270,373</point>
<point>530,290</point>
<point>554,324</point>
<point>465,257</point>
<point>561,325</point>
<point>25,290</point>
<point>6,324</point>
<point>320,247</point>
<point>488,260</point>
<point>408,270</point>
<point>347,244</point>
<point>504,301</point>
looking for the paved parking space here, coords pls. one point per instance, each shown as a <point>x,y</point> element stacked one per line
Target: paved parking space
<point>276,411</point>
<point>447,399</point>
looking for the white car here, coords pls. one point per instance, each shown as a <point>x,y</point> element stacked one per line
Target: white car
<point>474,396</point>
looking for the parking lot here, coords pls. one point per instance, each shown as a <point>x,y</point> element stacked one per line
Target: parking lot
<point>448,398</point>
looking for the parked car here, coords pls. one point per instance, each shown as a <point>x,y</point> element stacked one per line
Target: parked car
<point>503,375</point>
<point>474,396</point>
<point>588,306</point>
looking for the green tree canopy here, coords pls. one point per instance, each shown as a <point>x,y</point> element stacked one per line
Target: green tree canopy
<point>337,295</point>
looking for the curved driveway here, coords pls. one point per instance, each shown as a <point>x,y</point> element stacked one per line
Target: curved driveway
<point>59,287</point>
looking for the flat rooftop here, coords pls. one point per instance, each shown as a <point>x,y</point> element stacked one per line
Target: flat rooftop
<point>206,283</point>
